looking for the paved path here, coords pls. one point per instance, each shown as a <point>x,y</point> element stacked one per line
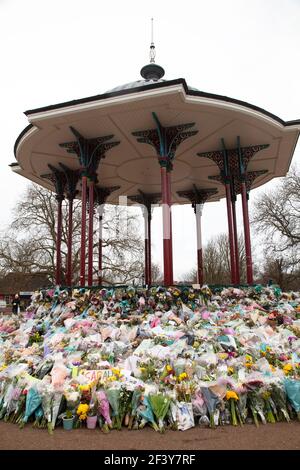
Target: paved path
<point>281,436</point>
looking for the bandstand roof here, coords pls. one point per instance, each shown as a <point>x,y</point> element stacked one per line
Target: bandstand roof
<point>133,166</point>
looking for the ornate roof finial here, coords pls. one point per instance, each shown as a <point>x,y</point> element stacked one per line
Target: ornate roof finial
<point>152,47</point>
<point>152,71</point>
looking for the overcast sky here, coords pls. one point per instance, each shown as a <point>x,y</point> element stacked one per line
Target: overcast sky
<point>57,50</point>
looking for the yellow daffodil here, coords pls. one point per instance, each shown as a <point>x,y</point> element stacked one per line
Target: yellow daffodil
<point>112,378</point>
<point>182,376</point>
<point>231,394</point>
<point>287,368</point>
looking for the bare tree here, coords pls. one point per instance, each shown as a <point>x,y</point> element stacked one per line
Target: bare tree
<point>29,243</point>
<point>276,218</point>
<point>276,215</point>
<point>216,261</point>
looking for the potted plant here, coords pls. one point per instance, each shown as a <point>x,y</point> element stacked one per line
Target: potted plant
<point>68,420</point>
<point>91,420</point>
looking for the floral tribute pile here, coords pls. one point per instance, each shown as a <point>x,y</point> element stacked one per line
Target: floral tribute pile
<point>166,358</point>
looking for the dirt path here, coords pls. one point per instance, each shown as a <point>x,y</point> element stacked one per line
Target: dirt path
<point>281,436</point>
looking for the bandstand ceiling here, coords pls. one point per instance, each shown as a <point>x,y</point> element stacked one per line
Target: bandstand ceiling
<point>133,166</point>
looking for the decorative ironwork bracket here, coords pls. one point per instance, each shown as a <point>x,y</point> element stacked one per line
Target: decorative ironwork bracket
<point>147,200</point>
<point>197,196</point>
<point>165,140</point>
<point>72,177</point>
<point>58,179</point>
<point>89,151</point>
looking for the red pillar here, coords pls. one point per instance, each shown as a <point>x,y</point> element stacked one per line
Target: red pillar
<point>198,212</point>
<point>91,234</point>
<point>167,233</point>
<point>230,233</point>
<point>83,231</point>
<point>247,233</point>
<point>149,249</point>
<point>58,240</point>
<point>147,222</point>
<point>236,244</point>
<point>100,274</point>
<point>146,247</point>
<point>70,235</point>
<point>171,235</point>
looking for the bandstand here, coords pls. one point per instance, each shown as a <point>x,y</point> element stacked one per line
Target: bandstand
<point>153,141</point>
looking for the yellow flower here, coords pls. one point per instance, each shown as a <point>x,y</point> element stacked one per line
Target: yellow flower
<point>230,370</point>
<point>268,349</point>
<point>231,394</point>
<point>248,358</point>
<point>182,376</point>
<point>3,367</point>
<point>249,365</point>
<point>82,409</point>
<point>112,378</point>
<point>223,355</point>
<point>83,417</point>
<point>142,369</point>
<point>116,371</point>
<point>169,368</point>
<point>85,388</point>
<point>273,369</point>
<point>287,368</point>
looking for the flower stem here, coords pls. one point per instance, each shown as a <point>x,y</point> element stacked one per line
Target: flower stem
<point>233,412</point>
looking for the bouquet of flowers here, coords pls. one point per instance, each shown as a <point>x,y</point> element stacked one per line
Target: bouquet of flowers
<point>47,396</point>
<point>13,402</point>
<point>160,404</point>
<point>212,401</point>
<point>72,398</point>
<point>279,397</point>
<point>33,401</point>
<point>6,398</point>
<point>145,412</point>
<point>103,408</point>
<point>256,405</point>
<point>135,400</point>
<point>241,407</point>
<point>56,409</point>
<point>125,404</point>
<point>292,388</point>
<point>82,413</point>
<point>232,398</point>
<point>113,395</point>
<point>269,405</point>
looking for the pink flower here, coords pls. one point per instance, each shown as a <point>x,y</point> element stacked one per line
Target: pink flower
<point>103,406</point>
<point>205,315</point>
